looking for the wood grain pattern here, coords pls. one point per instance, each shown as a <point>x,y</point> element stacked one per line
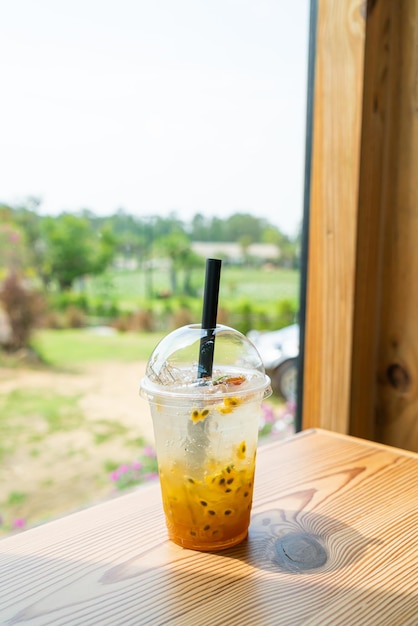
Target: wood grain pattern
<point>333,213</point>
<point>315,494</point>
<point>384,402</point>
<point>369,251</point>
<point>397,397</point>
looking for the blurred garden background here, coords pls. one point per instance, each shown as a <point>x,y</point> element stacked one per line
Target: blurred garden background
<point>83,301</point>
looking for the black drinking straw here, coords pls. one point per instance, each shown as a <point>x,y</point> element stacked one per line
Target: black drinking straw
<point>209,315</point>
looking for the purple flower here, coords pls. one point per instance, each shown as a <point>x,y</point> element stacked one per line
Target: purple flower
<point>114,476</point>
<point>19,522</point>
<point>149,451</point>
<point>137,465</point>
<point>268,413</point>
<point>151,476</point>
<point>123,469</point>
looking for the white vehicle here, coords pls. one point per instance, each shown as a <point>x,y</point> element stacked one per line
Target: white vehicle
<point>279,351</point>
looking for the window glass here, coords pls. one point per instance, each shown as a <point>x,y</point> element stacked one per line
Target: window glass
<point>138,139</point>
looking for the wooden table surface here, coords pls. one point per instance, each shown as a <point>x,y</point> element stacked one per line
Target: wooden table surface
<point>333,540</point>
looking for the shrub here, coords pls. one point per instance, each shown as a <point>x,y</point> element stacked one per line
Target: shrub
<point>75,317</point>
<point>52,319</point>
<point>121,323</point>
<point>103,307</point>
<point>243,316</point>
<point>23,308</point>
<point>286,312</point>
<point>182,317</point>
<point>141,320</point>
<point>62,300</point>
<point>223,316</point>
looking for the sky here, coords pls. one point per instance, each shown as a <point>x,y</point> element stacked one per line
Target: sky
<point>155,106</point>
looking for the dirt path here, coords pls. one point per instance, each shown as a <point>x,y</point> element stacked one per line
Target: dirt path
<point>50,473</point>
<point>109,390</point>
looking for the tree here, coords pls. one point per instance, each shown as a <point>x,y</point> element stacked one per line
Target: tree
<point>130,233</point>
<point>73,250</point>
<point>177,247</point>
<point>288,249</point>
<point>199,230</point>
<point>245,242</point>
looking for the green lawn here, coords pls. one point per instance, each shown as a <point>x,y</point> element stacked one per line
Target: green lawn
<point>267,286</point>
<point>129,288</point>
<point>63,348</point>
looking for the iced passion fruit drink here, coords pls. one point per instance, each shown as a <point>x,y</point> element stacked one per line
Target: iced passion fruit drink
<point>206,434</point>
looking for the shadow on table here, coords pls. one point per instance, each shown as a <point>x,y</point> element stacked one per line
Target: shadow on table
<point>300,542</point>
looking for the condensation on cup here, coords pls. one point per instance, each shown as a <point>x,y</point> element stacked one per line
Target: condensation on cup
<point>206,433</point>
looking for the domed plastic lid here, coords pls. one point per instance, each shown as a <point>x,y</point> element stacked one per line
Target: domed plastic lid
<point>174,364</point>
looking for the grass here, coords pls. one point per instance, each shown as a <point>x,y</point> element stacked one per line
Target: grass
<point>69,348</point>
<point>267,286</point>
<point>16,497</point>
<point>105,431</point>
<point>129,288</point>
<point>57,411</point>
<point>37,412</point>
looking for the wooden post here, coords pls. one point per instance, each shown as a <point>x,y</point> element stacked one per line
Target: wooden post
<point>333,213</point>
<point>361,336</point>
<point>384,401</point>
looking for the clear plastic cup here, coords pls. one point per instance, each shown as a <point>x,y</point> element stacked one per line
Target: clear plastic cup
<point>206,433</point>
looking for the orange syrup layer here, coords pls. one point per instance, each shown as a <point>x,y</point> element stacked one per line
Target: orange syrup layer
<point>210,513</point>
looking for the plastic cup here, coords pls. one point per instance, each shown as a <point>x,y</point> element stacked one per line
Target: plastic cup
<point>206,433</point>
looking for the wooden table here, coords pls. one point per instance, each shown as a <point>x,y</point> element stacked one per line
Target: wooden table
<point>333,540</point>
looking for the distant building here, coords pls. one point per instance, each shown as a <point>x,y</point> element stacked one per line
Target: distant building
<point>265,252</point>
<point>232,252</point>
<point>123,263</point>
